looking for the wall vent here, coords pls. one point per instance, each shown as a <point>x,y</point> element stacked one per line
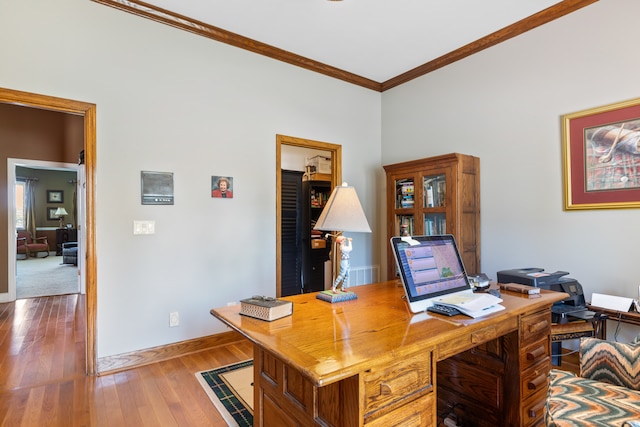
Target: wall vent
<point>364,275</point>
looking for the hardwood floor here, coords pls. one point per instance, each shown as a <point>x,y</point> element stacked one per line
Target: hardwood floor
<point>43,381</point>
<point>570,362</point>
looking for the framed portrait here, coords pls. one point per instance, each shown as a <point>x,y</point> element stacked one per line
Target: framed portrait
<point>222,187</point>
<point>51,214</point>
<point>601,156</point>
<point>55,196</point>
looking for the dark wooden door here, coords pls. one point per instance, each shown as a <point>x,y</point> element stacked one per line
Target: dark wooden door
<point>291,237</point>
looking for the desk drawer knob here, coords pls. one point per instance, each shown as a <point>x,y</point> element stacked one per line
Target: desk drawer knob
<point>541,379</point>
<point>385,389</point>
<point>538,326</point>
<point>536,353</point>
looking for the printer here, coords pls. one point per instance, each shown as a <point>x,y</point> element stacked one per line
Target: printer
<point>573,306</point>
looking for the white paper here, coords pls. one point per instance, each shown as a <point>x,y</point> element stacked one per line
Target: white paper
<point>611,302</point>
<point>474,305</point>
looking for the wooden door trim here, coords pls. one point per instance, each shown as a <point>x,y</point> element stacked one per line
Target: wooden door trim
<point>88,111</point>
<point>336,177</point>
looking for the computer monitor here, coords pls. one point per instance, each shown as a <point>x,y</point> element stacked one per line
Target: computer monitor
<point>429,267</point>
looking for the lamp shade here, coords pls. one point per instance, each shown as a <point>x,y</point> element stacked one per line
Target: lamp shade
<point>343,212</point>
<point>61,212</point>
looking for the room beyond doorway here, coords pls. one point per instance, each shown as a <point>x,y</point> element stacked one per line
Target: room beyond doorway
<point>45,276</point>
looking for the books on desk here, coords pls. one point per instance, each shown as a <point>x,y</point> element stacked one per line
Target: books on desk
<point>266,308</point>
<point>473,305</point>
<point>517,287</point>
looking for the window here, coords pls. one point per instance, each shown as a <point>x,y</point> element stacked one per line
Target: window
<point>20,203</point>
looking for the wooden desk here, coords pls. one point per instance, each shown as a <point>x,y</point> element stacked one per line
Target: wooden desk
<point>371,362</point>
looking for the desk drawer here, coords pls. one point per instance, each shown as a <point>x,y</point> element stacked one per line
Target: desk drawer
<point>472,339</point>
<point>533,410</point>
<point>535,326</point>
<point>419,413</point>
<point>534,353</point>
<point>384,385</point>
<point>535,379</point>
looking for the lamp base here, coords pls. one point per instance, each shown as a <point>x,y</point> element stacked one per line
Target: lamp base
<point>332,297</point>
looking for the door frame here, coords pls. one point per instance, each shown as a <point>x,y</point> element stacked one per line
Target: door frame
<point>88,112</point>
<point>336,177</point>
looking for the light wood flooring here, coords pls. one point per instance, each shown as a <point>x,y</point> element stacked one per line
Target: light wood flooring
<point>43,381</point>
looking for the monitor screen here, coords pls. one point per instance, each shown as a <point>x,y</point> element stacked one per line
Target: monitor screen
<point>429,267</point>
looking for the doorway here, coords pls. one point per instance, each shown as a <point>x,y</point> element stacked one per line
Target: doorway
<point>282,143</point>
<point>45,276</point>
<point>88,113</point>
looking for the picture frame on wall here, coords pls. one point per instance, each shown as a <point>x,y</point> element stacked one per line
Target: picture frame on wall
<point>222,187</point>
<point>601,157</point>
<point>156,188</point>
<point>51,214</point>
<point>55,196</point>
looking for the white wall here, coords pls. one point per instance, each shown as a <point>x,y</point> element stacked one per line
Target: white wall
<point>504,105</point>
<point>171,101</point>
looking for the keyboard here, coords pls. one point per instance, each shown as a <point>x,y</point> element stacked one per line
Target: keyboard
<point>443,309</point>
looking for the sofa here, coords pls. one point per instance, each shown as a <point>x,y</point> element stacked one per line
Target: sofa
<point>607,391</point>
<point>70,253</point>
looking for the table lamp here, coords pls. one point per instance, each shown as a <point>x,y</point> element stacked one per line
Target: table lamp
<point>342,213</point>
<point>61,213</point>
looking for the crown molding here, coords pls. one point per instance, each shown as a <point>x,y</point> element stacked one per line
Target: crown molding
<point>544,16</point>
<point>157,14</point>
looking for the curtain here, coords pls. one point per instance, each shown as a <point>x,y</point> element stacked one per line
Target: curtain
<point>29,208</point>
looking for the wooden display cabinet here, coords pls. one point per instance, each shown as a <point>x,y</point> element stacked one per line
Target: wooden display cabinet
<point>436,195</point>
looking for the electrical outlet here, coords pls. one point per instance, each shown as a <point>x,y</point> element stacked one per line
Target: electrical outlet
<point>174,319</point>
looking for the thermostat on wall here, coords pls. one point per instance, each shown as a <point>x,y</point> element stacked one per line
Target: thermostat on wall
<point>157,188</point>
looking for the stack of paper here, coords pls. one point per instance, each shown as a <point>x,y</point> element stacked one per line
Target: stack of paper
<point>473,305</point>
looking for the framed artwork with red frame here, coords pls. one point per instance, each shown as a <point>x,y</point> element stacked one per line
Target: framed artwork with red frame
<point>601,151</point>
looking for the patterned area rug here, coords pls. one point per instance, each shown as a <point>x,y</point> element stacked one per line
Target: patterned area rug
<point>230,388</point>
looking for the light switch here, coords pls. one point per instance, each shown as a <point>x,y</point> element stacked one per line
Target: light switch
<point>144,227</point>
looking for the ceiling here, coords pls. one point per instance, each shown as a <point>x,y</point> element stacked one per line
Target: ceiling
<point>374,43</point>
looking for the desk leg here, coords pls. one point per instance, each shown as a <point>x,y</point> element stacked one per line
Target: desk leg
<point>283,397</point>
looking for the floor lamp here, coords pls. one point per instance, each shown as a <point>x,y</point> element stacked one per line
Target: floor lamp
<point>342,213</point>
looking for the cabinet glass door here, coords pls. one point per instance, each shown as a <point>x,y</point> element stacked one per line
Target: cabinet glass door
<point>435,223</point>
<point>404,225</point>
<point>405,194</point>
<point>434,191</point>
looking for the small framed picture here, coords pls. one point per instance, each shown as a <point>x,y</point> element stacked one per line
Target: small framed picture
<point>55,196</point>
<point>222,186</point>
<point>51,214</point>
